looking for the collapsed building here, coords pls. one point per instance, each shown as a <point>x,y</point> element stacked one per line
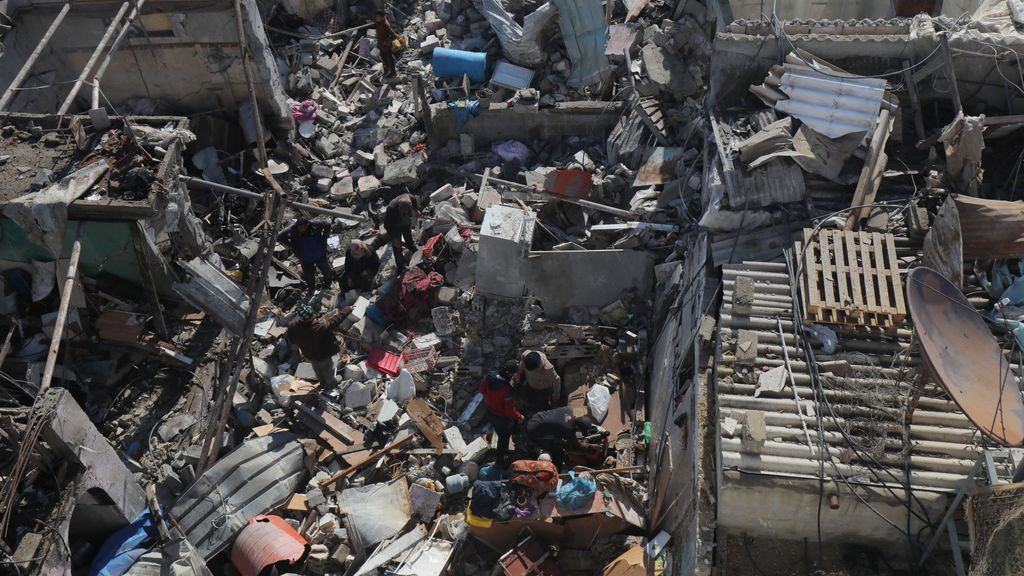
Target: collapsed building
<point>769,263</point>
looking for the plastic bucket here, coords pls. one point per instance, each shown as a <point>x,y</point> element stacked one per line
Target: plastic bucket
<point>456,483</point>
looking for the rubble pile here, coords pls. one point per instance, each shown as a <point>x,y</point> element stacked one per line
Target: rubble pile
<point>417,395</point>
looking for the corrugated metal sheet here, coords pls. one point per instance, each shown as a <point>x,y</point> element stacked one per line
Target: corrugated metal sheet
<point>257,477</point>
<point>944,443</point>
<point>585,32</point>
<point>265,541</point>
<point>830,105</point>
<point>777,182</point>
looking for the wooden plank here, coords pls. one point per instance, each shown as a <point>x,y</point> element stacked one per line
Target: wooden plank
<point>423,416</point>
<point>827,271</point>
<point>894,266</point>
<point>842,272</point>
<point>882,275</point>
<point>869,280</point>
<point>810,274</point>
<point>856,270</point>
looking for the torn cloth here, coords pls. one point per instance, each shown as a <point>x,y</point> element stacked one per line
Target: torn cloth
<point>464,110</point>
<point>124,546</point>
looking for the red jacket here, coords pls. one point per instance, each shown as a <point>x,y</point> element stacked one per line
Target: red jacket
<point>499,402</point>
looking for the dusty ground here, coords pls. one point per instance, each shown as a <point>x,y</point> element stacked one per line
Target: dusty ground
<point>26,159</point>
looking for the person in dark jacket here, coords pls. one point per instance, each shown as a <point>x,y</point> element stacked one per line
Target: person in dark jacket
<point>557,432</point>
<point>501,408</point>
<point>315,340</point>
<point>308,240</point>
<point>361,267</point>
<point>386,37</point>
<point>398,220</point>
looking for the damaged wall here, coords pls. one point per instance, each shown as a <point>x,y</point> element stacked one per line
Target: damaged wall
<point>746,50</point>
<point>575,278</point>
<point>529,124</point>
<point>188,57</point>
<point>823,9</point>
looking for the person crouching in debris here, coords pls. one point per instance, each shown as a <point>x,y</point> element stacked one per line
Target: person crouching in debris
<point>361,267</point>
<point>389,43</point>
<point>560,435</point>
<point>501,408</point>
<point>543,384</point>
<point>398,219</point>
<point>308,240</point>
<point>315,340</point>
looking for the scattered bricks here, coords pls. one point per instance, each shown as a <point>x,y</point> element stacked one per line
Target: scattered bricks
<point>746,348</point>
<point>402,172</point>
<point>322,171</point>
<point>343,188</point>
<point>315,497</point>
<point>368,186</point>
<point>42,179</point>
<point>443,193</point>
<point>431,22</point>
<point>323,184</point>
<point>429,44</point>
<point>447,295</point>
<point>364,158</point>
<point>380,158</point>
<point>743,295</point>
<point>358,395</point>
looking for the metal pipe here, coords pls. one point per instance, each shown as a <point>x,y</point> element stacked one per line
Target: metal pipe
<point>200,184</point>
<point>27,67</point>
<point>113,50</point>
<point>92,59</point>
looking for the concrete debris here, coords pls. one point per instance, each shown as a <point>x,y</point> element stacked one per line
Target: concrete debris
<point>468,285</point>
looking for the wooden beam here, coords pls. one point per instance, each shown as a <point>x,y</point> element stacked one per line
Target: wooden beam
<point>369,460</point>
<point>871,173</point>
<point>92,59</point>
<point>62,314</point>
<point>27,67</point>
<point>145,264</point>
<point>113,50</point>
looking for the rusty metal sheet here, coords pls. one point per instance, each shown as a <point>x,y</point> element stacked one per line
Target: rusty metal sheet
<point>265,541</point>
<point>990,228</point>
<point>964,357</point>
<point>660,167</point>
<point>943,246</point>
<point>571,183</point>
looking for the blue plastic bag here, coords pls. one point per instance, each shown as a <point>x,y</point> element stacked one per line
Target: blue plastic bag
<point>577,493</point>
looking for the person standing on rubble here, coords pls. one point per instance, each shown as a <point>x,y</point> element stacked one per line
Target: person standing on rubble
<point>543,384</point>
<point>389,43</point>
<point>398,220</point>
<point>315,340</point>
<point>361,267</point>
<point>308,240</point>
<point>501,408</point>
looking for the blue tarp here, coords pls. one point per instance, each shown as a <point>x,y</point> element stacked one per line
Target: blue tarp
<point>125,546</point>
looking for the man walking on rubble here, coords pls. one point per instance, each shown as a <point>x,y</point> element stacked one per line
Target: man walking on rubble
<point>315,340</point>
<point>398,220</point>
<point>308,240</point>
<point>361,267</point>
<point>501,408</point>
<point>389,43</point>
<point>543,384</point>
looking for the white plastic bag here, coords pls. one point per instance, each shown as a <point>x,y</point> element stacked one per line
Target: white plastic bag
<point>598,399</point>
<point>279,383</point>
<point>401,389</point>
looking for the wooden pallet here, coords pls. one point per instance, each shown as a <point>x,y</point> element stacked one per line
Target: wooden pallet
<point>851,278</point>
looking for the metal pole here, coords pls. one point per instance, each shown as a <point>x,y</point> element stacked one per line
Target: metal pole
<point>199,184</point>
<point>113,50</point>
<point>27,67</point>
<point>62,314</point>
<point>92,59</point>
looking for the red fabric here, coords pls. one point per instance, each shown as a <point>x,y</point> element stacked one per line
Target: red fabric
<point>412,298</point>
<point>534,474</point>
<point>435,243</point>
<point>499,402</point>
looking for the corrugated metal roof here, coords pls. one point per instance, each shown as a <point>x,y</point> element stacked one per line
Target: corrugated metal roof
<point>265,541</point>
<point>831,105</point>
<point>258,476</point>
<point>944,444</point>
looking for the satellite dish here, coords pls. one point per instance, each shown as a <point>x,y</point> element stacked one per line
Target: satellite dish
<point>964,357</point>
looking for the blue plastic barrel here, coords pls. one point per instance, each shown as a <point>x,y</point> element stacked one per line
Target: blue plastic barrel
<point>450,63</point>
